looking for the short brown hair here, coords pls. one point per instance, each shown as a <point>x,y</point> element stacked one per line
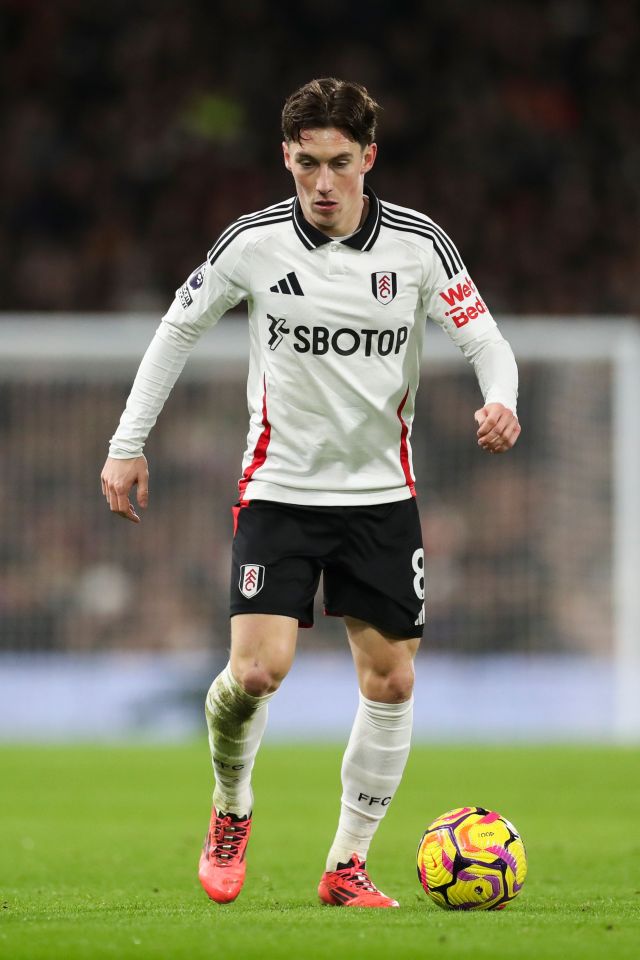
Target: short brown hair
<point>342,104</point>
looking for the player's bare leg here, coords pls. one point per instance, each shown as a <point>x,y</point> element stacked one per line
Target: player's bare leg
<point>373,763</point>
<point>262,651</point>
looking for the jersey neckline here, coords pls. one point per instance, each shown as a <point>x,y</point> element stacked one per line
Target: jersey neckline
<point>363,239</point>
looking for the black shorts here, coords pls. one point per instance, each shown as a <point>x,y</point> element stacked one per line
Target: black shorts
<point>371,558</point>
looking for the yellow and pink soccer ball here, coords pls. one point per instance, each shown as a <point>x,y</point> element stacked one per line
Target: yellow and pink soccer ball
<point>471,859</point>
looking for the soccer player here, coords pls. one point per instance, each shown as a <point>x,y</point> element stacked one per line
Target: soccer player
<point>339,284</point>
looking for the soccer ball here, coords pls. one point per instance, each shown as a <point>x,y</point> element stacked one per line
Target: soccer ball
<point>471,859</point>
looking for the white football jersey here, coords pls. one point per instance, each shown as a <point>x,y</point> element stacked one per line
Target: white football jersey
<point>336,338</point>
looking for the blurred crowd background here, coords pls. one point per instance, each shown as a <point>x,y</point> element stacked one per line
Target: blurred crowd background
<point>134,131</point>
<point>517,548</point>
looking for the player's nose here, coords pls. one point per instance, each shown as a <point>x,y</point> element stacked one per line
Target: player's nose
<point>324,183</point>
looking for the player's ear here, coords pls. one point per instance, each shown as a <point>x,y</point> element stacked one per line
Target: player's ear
<point>286,155</point>
<point>369,157</point>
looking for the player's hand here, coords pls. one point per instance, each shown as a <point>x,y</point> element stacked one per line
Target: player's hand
<point>118,477</point>
<point>498,428</point>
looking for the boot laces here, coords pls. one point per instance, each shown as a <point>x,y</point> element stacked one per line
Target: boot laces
<point>359,877</point>
<point>228,836</point>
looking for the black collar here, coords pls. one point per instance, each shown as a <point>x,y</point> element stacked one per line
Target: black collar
<point>363,239</point>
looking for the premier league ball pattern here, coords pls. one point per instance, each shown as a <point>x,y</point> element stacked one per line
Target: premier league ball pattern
<point>471,859</point>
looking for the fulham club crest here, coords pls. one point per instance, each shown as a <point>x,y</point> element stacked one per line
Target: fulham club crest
<point>384,285</point>
<point>251,579</point>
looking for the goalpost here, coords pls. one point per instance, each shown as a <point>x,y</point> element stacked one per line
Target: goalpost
<point>535,554</point>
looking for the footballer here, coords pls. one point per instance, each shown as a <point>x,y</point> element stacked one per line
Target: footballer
<point>339,284</point>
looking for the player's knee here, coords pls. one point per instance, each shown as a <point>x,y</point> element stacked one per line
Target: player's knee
<point>395,686</point>
<point>258,680</point>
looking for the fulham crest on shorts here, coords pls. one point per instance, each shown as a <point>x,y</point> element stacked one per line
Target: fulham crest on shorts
<point>251,579</point>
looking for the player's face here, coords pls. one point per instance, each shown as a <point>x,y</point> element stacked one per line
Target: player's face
<point>329,170</point>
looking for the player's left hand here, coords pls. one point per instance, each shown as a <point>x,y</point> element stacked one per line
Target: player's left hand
<point>498,428</point>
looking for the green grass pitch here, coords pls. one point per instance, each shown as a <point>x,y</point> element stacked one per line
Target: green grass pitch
<point>99,850</point>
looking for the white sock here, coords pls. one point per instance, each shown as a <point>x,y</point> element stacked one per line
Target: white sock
<point>236,722</point>
<point>371,772</point>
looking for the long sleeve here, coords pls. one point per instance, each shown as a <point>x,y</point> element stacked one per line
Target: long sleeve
<point>158,371</point>
<point>495,367</point>
<point>455,304</point>
<point>211,290</point>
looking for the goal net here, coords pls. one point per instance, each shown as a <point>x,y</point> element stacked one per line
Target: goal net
<point>536,553</point>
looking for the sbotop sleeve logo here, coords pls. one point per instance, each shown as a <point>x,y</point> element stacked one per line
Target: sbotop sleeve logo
<point>251,579</point>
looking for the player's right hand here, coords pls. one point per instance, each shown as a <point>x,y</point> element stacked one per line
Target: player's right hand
<point>118,477</point>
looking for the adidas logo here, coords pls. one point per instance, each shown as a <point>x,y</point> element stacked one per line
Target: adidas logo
<point>289,285</point>
<point>419,621</point>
